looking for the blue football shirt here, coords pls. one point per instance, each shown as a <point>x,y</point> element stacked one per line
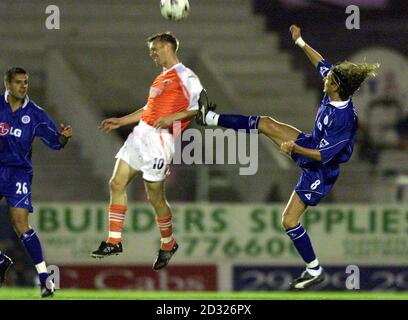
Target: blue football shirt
<point>334,131</point>
<point>18,130</point>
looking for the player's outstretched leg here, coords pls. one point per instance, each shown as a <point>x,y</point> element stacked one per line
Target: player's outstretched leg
<point>5,264</point>
<point>277,131</point>
<point>314,273</point>
<point>207,117</point>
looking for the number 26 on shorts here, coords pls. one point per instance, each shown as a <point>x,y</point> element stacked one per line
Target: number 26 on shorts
<point>21,188</point>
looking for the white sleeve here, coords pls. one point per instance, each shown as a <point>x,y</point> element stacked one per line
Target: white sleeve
<point>194,88</point>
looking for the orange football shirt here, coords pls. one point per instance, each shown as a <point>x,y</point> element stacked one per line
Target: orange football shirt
<point>175,90</point>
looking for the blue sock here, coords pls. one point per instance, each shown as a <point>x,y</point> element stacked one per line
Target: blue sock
<point>33,246</point>
<point>303,245</point>
<point>236,122</point>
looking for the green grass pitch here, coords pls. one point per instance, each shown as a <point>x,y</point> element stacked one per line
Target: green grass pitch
<point>68,294</point>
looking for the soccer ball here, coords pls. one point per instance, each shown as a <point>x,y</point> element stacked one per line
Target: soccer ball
<point>174,9</point>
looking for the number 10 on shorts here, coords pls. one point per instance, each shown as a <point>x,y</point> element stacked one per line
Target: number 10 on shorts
<point>158,163</point>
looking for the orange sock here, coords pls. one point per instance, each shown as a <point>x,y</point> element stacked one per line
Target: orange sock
<point>166,231</point>
<point>116,219</point>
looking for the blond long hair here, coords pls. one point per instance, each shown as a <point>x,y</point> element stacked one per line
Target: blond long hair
<point>349,76</point>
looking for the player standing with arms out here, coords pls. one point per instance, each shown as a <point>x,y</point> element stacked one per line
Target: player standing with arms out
<point>149,148</point>
<point>318,154</point>
<point>21,120</point>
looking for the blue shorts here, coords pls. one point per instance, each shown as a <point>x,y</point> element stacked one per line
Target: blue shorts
<point>15,186</point>
<point>316,180</point>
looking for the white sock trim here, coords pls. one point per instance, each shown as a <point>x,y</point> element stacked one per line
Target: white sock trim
<point>115,235</point>
<point>312,264</point>
<point>166,240</point>
<point>314,272</point>
<point>41,267</point>
<point>211,118</point>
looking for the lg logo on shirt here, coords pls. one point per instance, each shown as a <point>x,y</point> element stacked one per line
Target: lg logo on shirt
<point>5,130</point>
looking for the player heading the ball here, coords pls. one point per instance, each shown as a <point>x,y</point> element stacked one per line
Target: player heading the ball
<point>149,149</point>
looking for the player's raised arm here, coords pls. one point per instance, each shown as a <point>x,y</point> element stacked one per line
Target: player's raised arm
<point>314,56</point>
